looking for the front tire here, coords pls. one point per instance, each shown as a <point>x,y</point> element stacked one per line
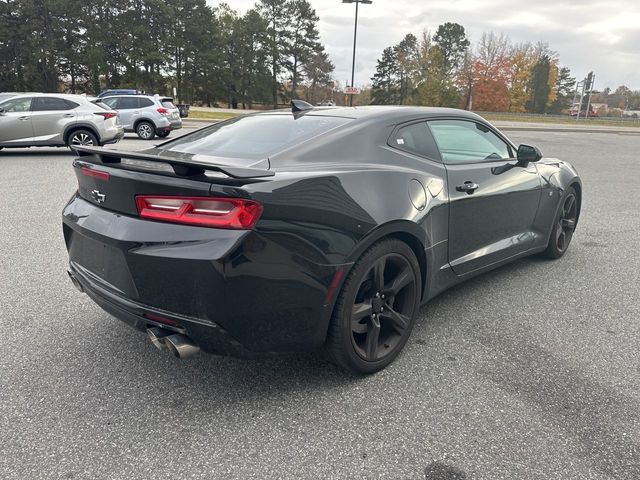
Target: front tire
<point>564,226</point>
<point>146,131</point>
<point>82,138</point>
<point>376,308</point>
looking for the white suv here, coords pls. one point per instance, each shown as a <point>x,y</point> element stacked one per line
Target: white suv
<point>146,115</point>
<point>56,120</point>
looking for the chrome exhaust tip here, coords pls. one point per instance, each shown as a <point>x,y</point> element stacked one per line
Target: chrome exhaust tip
<point>180,346</point>
<point>75,281</point>
<point>157,337</point>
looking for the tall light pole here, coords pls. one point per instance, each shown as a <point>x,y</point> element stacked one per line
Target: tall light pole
<point>355,39</point>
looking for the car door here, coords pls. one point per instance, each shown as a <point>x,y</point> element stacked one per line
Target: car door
<point>129,109</point>
<point>50,116</point>
<point>15,122</point>
<point>493,201</point>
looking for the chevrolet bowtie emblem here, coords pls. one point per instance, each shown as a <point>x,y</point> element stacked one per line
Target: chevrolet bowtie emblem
<point>98,197</point>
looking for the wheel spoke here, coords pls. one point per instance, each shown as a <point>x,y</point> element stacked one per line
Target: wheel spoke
<point>561,240</point>
<point>568,224</point>
<point>399,322</point>
<point>378,274</point>
<point>568,205</point>
<point>404,278</point>
<point>360,311</point>
<point>371,346</point>
<point>558,231</point>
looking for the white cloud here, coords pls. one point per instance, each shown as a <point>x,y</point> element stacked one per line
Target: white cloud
<point>598,35</point>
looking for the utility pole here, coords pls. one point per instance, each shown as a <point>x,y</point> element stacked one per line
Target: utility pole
<point>355,40</point>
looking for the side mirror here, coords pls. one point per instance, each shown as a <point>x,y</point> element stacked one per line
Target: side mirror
<point>528,154</point>
<point>1,110</point>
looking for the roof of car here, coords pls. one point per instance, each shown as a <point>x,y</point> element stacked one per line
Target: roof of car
<point>390,112</point>
<point>137,95</point>
<point>67,96</point>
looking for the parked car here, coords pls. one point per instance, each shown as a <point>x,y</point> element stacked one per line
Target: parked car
<point>119,91</point>
<point>324,228</point>
<point>55,120</point>
<point>146,115</point>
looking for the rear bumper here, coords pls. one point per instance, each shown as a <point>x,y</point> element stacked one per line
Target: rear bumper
<point>232,292</point>
<point>210,337</point>
<point>119,136</point>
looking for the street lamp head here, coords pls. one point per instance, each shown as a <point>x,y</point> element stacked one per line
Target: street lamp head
<point>368,2</point>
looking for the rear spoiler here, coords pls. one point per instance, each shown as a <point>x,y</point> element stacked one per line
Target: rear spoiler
<point>183,168</point>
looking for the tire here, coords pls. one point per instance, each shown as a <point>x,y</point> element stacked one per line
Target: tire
<point>146,131</point>
<point>163,134</point>
<point>82,138</point>
<point>564,226</point>
<point>375,313</point>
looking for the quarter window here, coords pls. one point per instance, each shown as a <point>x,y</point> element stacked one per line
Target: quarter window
<point>462,141</point>
<point>416,138</point>
<point>145,102</point>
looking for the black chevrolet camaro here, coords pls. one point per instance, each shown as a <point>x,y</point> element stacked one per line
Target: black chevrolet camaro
<point>316,228</point>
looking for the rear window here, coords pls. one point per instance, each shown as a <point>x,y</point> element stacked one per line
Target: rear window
<point>168,103</point>
<point>102,105</point>
<point>254,136</point>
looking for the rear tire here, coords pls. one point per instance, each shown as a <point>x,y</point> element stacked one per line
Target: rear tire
<point>145,130</point>
<point>82,138</point>
<point>564,226</point>
<point>376,308</point>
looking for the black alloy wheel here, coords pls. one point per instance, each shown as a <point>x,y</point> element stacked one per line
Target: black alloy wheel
<point>376,308</point>
<point>565,225</point>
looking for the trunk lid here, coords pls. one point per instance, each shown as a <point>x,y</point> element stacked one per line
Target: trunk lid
<point>112,179</point>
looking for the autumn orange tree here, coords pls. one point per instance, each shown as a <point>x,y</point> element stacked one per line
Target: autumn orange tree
<point>493,75</point>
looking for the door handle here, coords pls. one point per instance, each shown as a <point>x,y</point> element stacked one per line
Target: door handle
<point>69,115</point>
<point>468,187</point>
<point>23,119</point>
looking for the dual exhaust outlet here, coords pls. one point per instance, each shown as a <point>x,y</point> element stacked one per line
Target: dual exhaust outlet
<point>180,346</point>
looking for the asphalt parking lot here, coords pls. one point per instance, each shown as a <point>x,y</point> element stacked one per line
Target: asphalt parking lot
<point>529,372</point>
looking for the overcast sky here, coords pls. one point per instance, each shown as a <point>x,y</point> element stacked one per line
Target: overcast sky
<point>598,35</point>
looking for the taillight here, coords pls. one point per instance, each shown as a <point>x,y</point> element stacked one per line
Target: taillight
<point>107,115</point>
<point>163,111</point>
<point>233,213</point>
<point>99,174</point>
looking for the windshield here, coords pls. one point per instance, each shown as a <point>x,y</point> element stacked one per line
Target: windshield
<point>5,96</point>
<point>254,136</point>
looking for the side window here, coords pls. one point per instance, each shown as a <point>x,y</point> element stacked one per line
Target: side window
<point>416,138</point>
<point>17,105</point>
<point>110,102</point>
<point>127,103</point>
<point>49,104</point>
<point>145,102</point>
<point>462,141</point>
